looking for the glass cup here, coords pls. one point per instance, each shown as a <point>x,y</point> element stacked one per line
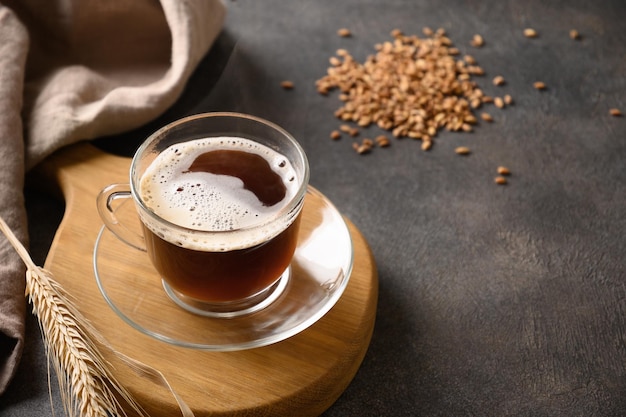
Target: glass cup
<point>219,197</point>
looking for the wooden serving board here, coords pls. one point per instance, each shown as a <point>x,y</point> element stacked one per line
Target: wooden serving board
<point>300,376</point>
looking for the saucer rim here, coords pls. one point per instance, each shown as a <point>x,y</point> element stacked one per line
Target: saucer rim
<point>321,310</point>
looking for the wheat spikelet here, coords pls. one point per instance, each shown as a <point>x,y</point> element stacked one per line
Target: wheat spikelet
<point>88,388</point>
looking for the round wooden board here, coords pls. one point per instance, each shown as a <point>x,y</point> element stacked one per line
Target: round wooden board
<point>300,376</point>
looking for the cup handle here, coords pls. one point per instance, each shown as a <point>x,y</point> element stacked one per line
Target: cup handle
<point>107,203</point>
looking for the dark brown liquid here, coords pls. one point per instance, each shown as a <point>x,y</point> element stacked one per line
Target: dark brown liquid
<point>255,172</point>
<point>222,276</point>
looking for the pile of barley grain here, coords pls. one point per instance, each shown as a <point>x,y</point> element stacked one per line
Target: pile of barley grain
<point>412,87</point>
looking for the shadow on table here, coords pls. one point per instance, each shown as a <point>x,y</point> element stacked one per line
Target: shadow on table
<point>384,382</point>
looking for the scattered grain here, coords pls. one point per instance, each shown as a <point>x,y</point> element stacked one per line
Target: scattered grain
<point>499,103</point>
<point>508,100</point>
<point>475,70</point>
<point>500,180</point>
<point>470,118</point>
<point>498,80</point>
<point>530,33</point>
<point>503,170</point>
<point>382,141</point>
<point>462,150</point>
<point>354,132</point>
<point>287,85</point>
<point>335,135</point>
<point>486,117</point>
<point>345,128</point>
<point>539,85</point>
<point>477,41</point>
<point>469,59</point>
<point>426,145</point>
<point>573,34</point>
<point>615,112</point>
<point>344,33</point>
<point>411,86</point>
<point>362,149</point>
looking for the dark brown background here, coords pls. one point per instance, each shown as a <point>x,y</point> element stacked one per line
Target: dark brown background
<point>494,301</point>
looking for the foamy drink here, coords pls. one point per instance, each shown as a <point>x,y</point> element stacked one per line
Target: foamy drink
<point>227,194</point>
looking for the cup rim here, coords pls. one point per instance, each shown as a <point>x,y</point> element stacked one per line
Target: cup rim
<point>289,207</point>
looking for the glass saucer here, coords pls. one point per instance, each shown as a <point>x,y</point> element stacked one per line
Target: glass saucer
<point>320,271</point>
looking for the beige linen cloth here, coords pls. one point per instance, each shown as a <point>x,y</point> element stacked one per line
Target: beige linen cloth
<point>72,70</point>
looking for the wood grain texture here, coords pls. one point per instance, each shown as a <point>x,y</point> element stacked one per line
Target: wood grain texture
<point>302,375</point>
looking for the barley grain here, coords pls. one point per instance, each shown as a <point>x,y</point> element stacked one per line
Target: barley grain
<point>477,41</point>
<point>486,117</point>
<point>469,59</point>
<point>344,33</point>
<point>530,33</point>
<point>382,141</point>
<point>498,80</point>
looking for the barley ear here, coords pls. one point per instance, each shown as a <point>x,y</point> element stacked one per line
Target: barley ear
<point>87,385</point>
